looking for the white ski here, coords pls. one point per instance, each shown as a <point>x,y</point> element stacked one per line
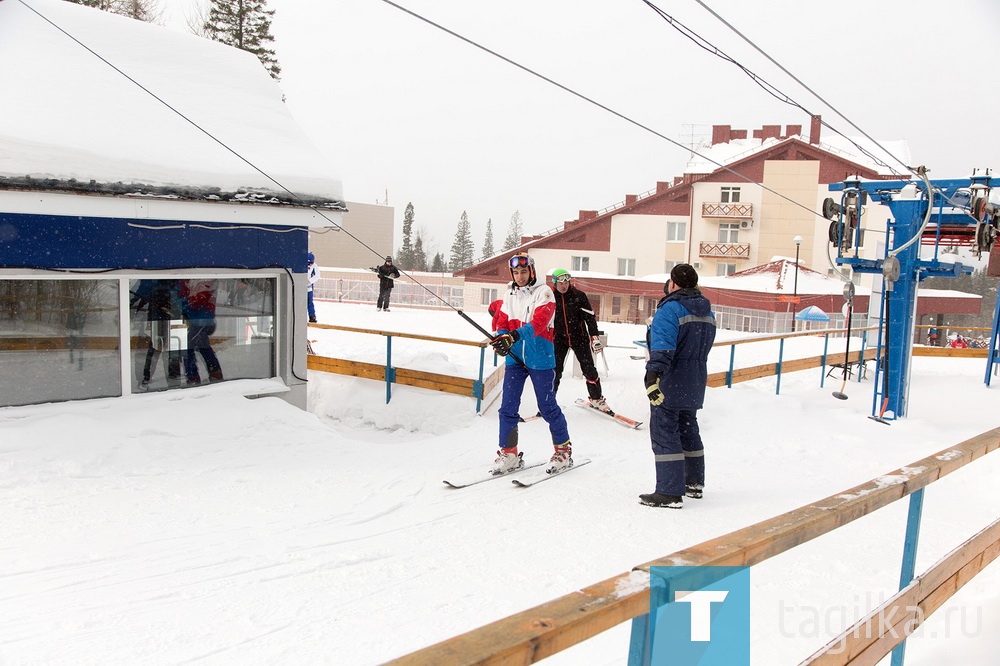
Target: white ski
<point>471,477</point>
<point>620,418</point>
<point>536,477</point>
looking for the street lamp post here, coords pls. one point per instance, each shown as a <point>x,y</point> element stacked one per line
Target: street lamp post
<point>795,285</point>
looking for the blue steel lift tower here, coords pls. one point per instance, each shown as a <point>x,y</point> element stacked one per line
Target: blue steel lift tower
<point>924,213</point>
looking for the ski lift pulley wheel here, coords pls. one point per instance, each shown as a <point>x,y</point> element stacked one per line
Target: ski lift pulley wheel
<point>849,291</point>
<point>890,269</point>
<point>830,208</point>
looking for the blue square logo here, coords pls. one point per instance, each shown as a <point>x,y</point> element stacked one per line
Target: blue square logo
<point>700,616</point>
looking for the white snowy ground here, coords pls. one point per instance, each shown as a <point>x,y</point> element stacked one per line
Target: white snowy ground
<point>199,526</point>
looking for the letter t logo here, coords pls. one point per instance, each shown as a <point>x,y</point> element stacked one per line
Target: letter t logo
<point>701,611</point>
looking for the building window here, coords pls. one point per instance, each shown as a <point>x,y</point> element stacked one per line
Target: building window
<point>669,266</point>
<point>616,305</point>
<point>729,232</point>
<point>194,331</point>
<point>729,195</point>
<point>488,296</point>
<point>725,269</point>
<point>60,339</point>
<point>676,231</point>
<point>626,267</point>
<point>581,264</point>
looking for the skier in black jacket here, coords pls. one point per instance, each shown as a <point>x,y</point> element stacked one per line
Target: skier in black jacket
<point>576,329</point>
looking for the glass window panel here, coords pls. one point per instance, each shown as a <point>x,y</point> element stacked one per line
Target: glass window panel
<point>186,332</point>
<point>59,339</point>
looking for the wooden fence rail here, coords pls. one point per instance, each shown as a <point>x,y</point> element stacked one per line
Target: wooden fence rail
<point>537,633</point>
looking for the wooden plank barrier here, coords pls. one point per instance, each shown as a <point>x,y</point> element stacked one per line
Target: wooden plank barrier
<point>540,632</point>
<point>405,376</point>
<point>874,636</point>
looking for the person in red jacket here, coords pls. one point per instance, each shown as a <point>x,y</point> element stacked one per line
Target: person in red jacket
<point>576,329</point>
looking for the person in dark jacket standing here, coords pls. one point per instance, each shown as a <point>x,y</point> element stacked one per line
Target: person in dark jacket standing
<point>387,274</point>
<point>680,339</point>
<point>576,329</point>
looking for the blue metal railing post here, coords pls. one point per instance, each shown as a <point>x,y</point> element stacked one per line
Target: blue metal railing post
<point>640,648</point>
<point>822,368</point>
<point>781,353</point>
<point>478,389</point>
<point>909,558</point>
<point>732,363</point>
<point>861,358</point>
<point>390,375</point>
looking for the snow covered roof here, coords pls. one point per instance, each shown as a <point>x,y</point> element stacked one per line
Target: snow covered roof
<point>82,120</point>
<point>778,277</point>
<point>738,149</point>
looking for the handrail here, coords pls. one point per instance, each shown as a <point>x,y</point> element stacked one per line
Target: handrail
<point>544,630</point>
<point>396,334</point>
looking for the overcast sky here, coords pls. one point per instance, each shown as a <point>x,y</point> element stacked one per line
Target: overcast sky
<point>412,114</point>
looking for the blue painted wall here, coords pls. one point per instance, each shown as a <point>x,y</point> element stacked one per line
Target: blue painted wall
<point>71,242</point>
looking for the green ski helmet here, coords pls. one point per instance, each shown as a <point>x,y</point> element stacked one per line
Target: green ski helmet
<point>560,275</point>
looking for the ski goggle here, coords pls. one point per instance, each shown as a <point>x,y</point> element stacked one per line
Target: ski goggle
<point>521,261</point>
<point>565,277</point>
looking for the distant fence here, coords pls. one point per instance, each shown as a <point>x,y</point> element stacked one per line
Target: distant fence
<point>476,388</point>
<point>410,294</point>
<point>540,632</point>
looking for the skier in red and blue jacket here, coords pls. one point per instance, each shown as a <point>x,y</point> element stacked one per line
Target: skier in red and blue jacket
<point>524,326</point>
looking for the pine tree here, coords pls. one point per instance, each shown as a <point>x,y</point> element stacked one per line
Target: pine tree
<point>245,24</point>
<point>148,11</point>
<point>462,250</point>
<point>438,265</point>
<point>488,250</point>
<point>514,232</point>
<point>404,256</point>
<point>419,257</point>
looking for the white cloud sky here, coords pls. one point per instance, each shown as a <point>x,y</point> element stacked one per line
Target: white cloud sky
<point>407,110</point>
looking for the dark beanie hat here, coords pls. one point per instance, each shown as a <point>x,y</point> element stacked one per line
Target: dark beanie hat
<point>684,276</point>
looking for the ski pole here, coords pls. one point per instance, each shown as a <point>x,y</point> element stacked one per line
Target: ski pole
<point>840,395</point>
<point>487,334</point>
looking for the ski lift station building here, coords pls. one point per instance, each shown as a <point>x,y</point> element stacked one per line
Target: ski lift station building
<point>156,197</point>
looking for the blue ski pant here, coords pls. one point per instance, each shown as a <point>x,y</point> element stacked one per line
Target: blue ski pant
<point>678,452</point>
<point>543,381</point>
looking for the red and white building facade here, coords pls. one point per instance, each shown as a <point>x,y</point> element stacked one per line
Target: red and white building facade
<point>718,221</point>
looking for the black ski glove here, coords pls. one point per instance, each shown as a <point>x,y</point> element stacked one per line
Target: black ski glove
<point>652,381</point>
<point>502,343</point>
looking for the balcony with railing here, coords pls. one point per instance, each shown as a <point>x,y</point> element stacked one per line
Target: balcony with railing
<point>727,211</point>
<point>716,250</point>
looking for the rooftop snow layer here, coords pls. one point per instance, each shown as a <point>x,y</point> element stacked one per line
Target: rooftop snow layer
<point>81,111</point>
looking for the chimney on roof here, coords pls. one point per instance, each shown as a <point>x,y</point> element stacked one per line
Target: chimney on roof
<point>814,129</point>
<point>793,130</point>
<point>767,132</point>
<point>721,133</point>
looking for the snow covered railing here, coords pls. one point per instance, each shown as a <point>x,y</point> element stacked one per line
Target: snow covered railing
<point>540,632</point>
<point>476,388</point>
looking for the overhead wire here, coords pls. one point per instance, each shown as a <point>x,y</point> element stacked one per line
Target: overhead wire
<point>786,98</point>
<point>594,102</point>
<point>231,150</point>
<point>918,171</point>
